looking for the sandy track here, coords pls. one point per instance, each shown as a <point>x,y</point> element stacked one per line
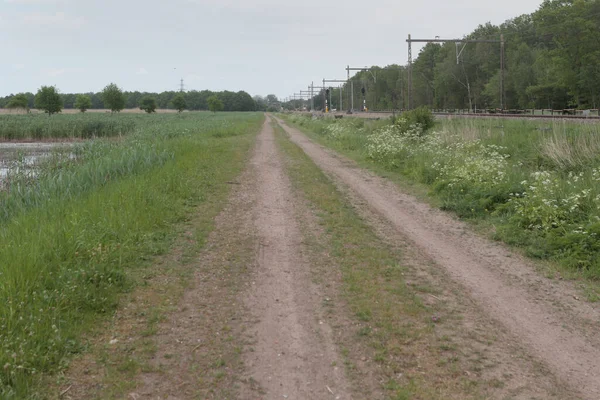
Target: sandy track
<point>293,355</point>
<point>539,313</point>
<point>288,351</point>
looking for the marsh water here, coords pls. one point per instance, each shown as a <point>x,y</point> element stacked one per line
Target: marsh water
<point>25,155</point>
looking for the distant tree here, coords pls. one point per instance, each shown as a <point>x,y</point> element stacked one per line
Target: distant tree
<point>18,101</point>
<point>261,103</point>
<point>113,97</point>
<point>83,102</point>
<point>243,102</point>
<point>134,98</point>
<point>148,104</point>
<point>271,99</point>
<point>214,104</point>
<point>68,100</point>
<point>179,102</point>
<point>48,99</point>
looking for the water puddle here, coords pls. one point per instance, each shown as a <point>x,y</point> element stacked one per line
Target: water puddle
<point>24,155</point>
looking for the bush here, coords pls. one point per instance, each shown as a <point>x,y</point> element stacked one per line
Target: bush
<point>148,104</point>
<point>421,116</point>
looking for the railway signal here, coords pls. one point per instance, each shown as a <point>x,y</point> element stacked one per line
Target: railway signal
<point>364,100</point>
<point>369,70</point>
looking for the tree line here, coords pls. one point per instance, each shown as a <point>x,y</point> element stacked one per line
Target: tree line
<point>190,100</point>
<point>552,61</point>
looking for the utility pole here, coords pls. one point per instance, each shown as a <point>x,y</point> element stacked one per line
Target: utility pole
<point>325,105</point>
<point>181,86</point>
<point>465,41</point>
<point>501,72</point>
<point>352,88</point>
<point>409,72</point>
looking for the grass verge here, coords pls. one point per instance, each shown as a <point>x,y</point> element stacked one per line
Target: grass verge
<point>65,264</point>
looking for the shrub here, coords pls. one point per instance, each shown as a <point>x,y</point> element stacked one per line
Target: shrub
<point>148,104</point>
<point>421,116</point>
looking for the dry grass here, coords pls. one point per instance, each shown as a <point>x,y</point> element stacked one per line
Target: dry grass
<point>470,129</point>
<point>569,150</point>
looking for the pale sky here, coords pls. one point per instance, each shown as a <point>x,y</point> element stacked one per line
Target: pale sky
<point>260,46</point>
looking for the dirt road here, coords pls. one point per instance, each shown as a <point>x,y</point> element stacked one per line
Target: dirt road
<point>294,355</point>
<point>288,352</point>
<point>269,313</point>
<point>544,315</point>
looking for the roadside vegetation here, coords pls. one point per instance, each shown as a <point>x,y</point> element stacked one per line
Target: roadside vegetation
<point>73,233</point>
<point>535,183</point>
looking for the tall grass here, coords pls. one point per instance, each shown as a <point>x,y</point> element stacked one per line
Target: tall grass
<point>73,126</point>
<point>570,151</point>
<point>70,236</point>
<point>536,182</point>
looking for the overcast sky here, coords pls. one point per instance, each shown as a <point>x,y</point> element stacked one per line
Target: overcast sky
<point>260,46</point>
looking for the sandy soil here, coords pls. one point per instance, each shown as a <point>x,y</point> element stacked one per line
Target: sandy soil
<point>544,315</point>
<point>288,351</point>
<point>294,355</point>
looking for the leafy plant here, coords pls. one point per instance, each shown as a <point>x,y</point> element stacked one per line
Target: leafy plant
<point>421,116</point>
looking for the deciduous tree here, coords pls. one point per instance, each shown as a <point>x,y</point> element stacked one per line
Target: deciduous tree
<point>18,101</point>
<point>179,102</point>
<point>113,97</point>
<point>83,102</point>
<point>148,104</point>
<point>215,104</point>
<point>48,99</point>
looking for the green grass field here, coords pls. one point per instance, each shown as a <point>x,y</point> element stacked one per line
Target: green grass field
<point>72,235</point>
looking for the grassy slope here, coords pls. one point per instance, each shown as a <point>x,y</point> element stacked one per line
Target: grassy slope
<point>65,263</point>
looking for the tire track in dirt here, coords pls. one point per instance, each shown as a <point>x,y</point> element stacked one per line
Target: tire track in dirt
<point>253,293</point>
<point>505,285</point>
<point>294,355</point>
